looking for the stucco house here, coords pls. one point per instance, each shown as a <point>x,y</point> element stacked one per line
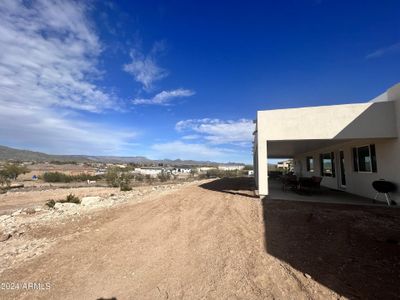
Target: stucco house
<point>349,145</point>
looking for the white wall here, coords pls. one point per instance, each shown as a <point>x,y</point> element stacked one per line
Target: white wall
<point>347,121</point>
<point>388,166</point>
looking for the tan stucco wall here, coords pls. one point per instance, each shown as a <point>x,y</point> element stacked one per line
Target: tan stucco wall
<point>362,120</point>
<point>388,162</point>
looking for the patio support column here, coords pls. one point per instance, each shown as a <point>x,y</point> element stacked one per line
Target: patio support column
<point>262,161</point>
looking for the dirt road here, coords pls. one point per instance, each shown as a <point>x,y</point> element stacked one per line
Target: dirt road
<point>199,242</point>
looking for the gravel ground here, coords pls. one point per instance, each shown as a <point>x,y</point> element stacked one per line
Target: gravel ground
<point>205,240</point>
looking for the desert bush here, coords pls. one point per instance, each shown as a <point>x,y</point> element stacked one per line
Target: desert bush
<point>12,171</point>
<point>163,176</point>
<point>117,178</point>
<point>50,203</point>
<point>202,176</point>
<point>139,177</point>
<point>112,177</point>
<point>4,180</point>
<point>223,173</point>
<point>56,177</point>
<point>61,177</point>
<point>71,198</point>
<point>125,182</point>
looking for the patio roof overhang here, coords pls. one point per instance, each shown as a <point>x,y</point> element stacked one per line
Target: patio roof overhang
<point>291,148</point>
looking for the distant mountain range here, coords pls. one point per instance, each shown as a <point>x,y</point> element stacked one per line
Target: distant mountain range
<point>7,153</point>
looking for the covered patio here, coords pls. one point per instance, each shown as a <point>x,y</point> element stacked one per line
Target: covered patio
<point>325,195</point>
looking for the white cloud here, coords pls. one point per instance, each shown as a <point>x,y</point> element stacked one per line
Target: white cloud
<point>48,56</point>
<point>384,51</point>
<point>216,131</point>
<point>191,137</point>
<point>195,151</point>
<point>48,67</point>
<point>144,68</point>
<point>64,133</point>
<point>164,98</point>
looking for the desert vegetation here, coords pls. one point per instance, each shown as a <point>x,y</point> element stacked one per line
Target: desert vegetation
<point>61,177</point>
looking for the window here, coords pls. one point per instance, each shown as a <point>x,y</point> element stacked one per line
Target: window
<point>310,164</point>
<point>364,159</point>
<point>327,164</point>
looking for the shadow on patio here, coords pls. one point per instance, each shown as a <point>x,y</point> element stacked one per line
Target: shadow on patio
<point>325,195</point>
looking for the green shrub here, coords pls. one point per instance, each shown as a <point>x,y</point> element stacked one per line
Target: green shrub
<point>139,177</point>
<point>61,177</point>
<point>12,171</point>
<point>71,198</point>
<point>50,203</point>
<point>125,182</point>
<point>112,177</point>
<point>164,176</point>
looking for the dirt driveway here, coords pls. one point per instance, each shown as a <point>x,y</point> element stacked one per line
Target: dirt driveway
<point>205,242</point>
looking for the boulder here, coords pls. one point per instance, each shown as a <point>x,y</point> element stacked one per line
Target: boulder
<point>4,217</point>
<point>29,210</point>
<point>5,237</point>
<point>17,212</point>
<point>65,206</point>
<point>88,201</point>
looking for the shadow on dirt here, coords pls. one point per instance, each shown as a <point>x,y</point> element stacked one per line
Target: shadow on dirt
<point>242,186</point>
<point>352,250</point>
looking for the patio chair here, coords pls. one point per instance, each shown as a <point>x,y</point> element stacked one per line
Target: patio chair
<point>316,182</point>
<point>309,184</point>
<point>290,181</point>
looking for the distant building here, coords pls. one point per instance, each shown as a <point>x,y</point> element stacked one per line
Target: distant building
<point>152,171</point>
<point>205,169</point>
<point>230,167</point>
<point>286,164</point>
<point>181,170</point>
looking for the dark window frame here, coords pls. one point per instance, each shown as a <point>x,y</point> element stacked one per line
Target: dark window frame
<point>332,158</point>
<point>309,162</point>
<point>372,160</point>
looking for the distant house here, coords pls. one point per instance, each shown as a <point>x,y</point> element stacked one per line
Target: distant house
<point>230,167</point>
<point>205,169</point>
<point>181,170</point>
<point>152,171</point>
<point>348,145</point>
<point>286,164</point>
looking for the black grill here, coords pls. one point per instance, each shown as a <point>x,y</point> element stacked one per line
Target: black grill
<point>383,186</point>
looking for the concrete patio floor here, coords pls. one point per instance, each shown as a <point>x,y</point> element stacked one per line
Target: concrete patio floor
<point>325,195</point>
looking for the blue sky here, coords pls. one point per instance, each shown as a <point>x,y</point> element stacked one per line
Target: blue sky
<point>182,79</point>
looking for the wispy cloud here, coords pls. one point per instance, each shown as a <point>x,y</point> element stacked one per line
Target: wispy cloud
<point>49,55</point>
<point>216,131</point>
<point>164,98</point>
<point>64,133</point>
<point>144,67</point>
<point>197,151</point>
<point>395,48</point>
<point>48,74</point>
